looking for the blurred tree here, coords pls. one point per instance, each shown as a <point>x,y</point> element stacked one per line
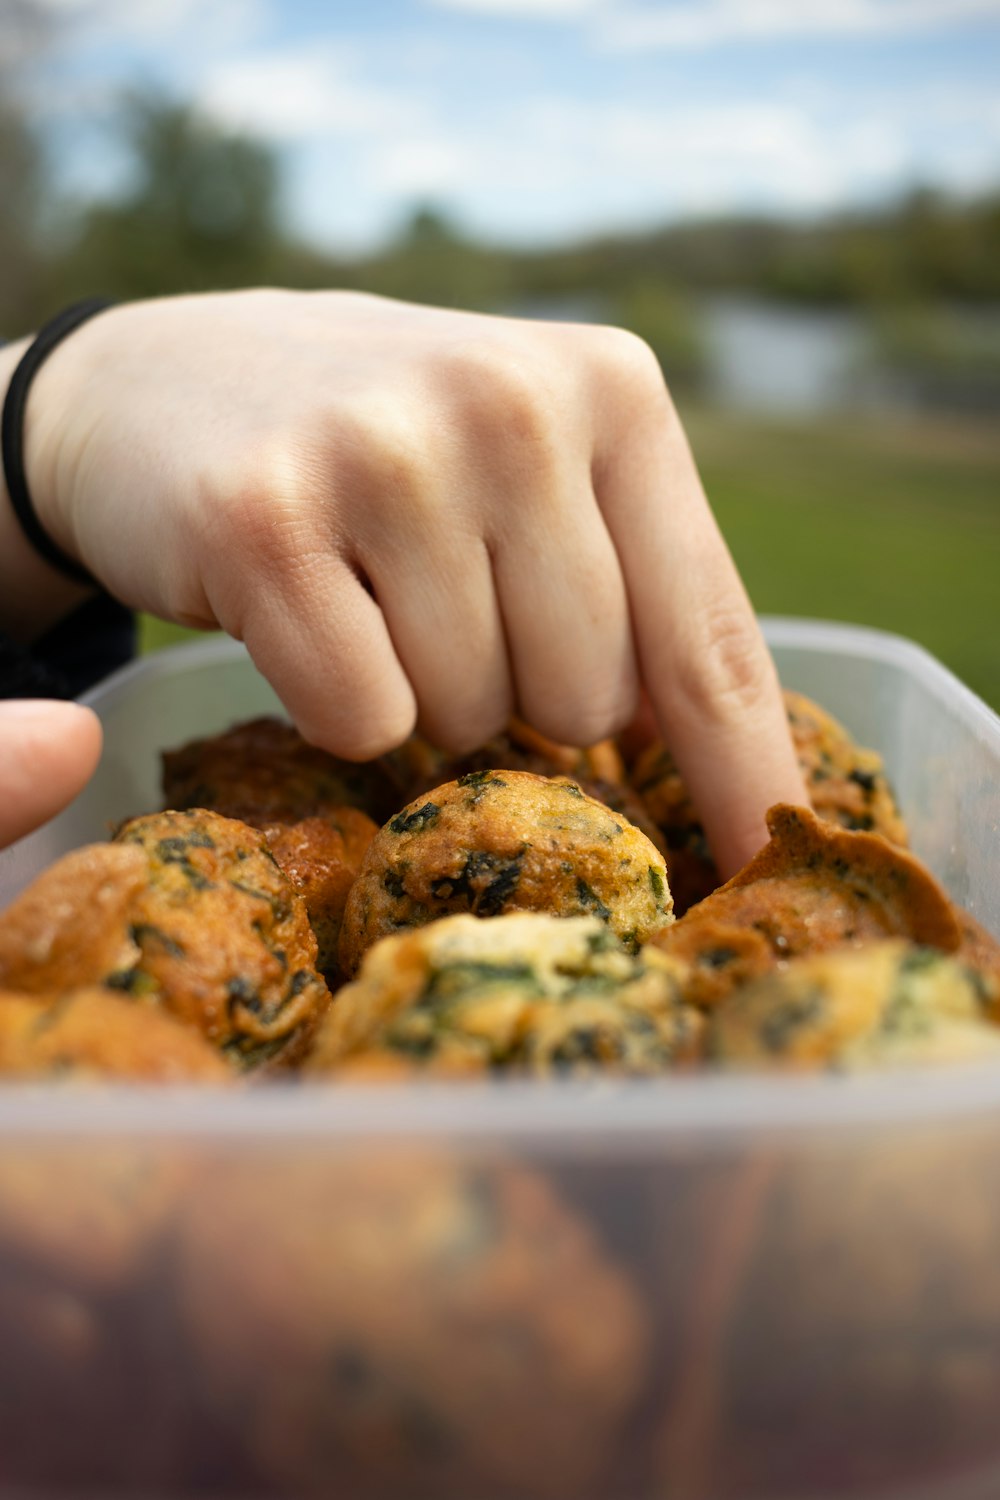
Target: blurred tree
<point>24,31</point>
<point>22,195</point>
<point>432,261</point>
<point>202,211</point>
<point>664,316</point>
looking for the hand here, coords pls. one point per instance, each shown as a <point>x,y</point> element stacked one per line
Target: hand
<point>48,751</point>
<point>413,515</point>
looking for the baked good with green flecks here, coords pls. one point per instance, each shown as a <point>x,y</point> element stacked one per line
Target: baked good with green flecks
<point>399,1323</point>
<point>221,938</point>
<point>888,1004</point>
<point>93,1033</point>
<point>524,993</point>
<point>598,770</point>
<point>813,887</point>
<point>321,857</point>
<point>493,842</point>
<point>847,785</point>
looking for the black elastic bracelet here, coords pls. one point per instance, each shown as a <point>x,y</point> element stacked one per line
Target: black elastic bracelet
<point>12,434</point>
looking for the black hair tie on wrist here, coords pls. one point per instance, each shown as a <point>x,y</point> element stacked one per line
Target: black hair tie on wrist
<point>12,434</point>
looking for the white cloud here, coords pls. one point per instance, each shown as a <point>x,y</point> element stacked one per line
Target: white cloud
<point>523,10</point>
<point>712,23</point>
<point>426,166</point>
<point>301,91</point>
<point>563,166</point>
<point>222,23</point>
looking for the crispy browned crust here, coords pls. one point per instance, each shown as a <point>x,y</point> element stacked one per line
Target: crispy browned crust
<point>497,841</point>
<point>223,939</point>
<point>263,771</point>
<point>813,887</point>
<point>847,785</point>
<point>96,1033</point>
<point>405,1324</point>
<point>70,927</point>
<point>321,857</point>
<point>417,766</point>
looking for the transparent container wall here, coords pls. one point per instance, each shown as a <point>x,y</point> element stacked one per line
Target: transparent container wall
<point>781,1318</point>
<point>940,742</point>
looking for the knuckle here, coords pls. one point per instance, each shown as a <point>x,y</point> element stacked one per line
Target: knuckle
<point>506,397</point>
<point>384,461</point>
<point>262,511</point>
<point>629,362</point>
<point>732,671</point>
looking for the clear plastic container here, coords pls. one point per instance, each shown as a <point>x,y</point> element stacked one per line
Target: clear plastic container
<point>700,1288</point>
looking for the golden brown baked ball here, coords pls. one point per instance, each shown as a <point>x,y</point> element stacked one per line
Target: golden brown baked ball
<point>321,857</point>
<point>399,1322</point>
<point>847,785</point>
<point>221,939</point>
<point>97,1033</point>
<point>524,992</point>
<point>813,887</point>
<point>493,842</point>
<point>888,1004</point>
<point>263,771</point>
<point>71,926</point>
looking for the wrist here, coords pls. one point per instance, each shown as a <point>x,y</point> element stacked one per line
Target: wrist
<point>33,594</point>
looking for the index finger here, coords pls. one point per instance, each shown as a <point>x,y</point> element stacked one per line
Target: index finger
<point>702,657</point>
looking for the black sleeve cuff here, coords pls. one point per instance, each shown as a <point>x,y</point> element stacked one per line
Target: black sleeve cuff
<point>94,640</point>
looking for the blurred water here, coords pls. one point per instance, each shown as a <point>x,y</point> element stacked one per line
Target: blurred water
<point>765,357</point>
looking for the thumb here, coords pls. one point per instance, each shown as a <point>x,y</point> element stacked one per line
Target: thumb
<point>48,752</point>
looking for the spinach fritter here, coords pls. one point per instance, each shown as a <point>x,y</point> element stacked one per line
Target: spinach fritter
<point>71,926</point>
<point>499,841</point>
<point>221,938</point>
<point>397,1323</point>
<point>321,857</point>
<point>888,1004</point>
<point>263,771</point>
<point>523,993</point>
<point>847,785</point>
<point>99,1033</point>
<point>186,913</point>
<point>812,888</point>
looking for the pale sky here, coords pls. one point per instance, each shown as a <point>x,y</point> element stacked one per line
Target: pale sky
<point>533,121</point>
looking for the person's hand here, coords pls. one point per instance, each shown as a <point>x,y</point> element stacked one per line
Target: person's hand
<point>417,516</point>
<point>48,751</point>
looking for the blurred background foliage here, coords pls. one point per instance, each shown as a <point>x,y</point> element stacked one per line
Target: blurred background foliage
<point>840,378</point>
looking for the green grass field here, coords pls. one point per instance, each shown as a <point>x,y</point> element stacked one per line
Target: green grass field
<point>895,525</point>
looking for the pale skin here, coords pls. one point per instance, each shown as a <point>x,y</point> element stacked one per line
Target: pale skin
<point>414,517</point>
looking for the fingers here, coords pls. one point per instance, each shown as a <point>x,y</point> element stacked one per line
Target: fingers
<point>48,752</point>
<point>525,481</point>
<point>321,641</point>
<point>702,657</point>
<point>415,534</point>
